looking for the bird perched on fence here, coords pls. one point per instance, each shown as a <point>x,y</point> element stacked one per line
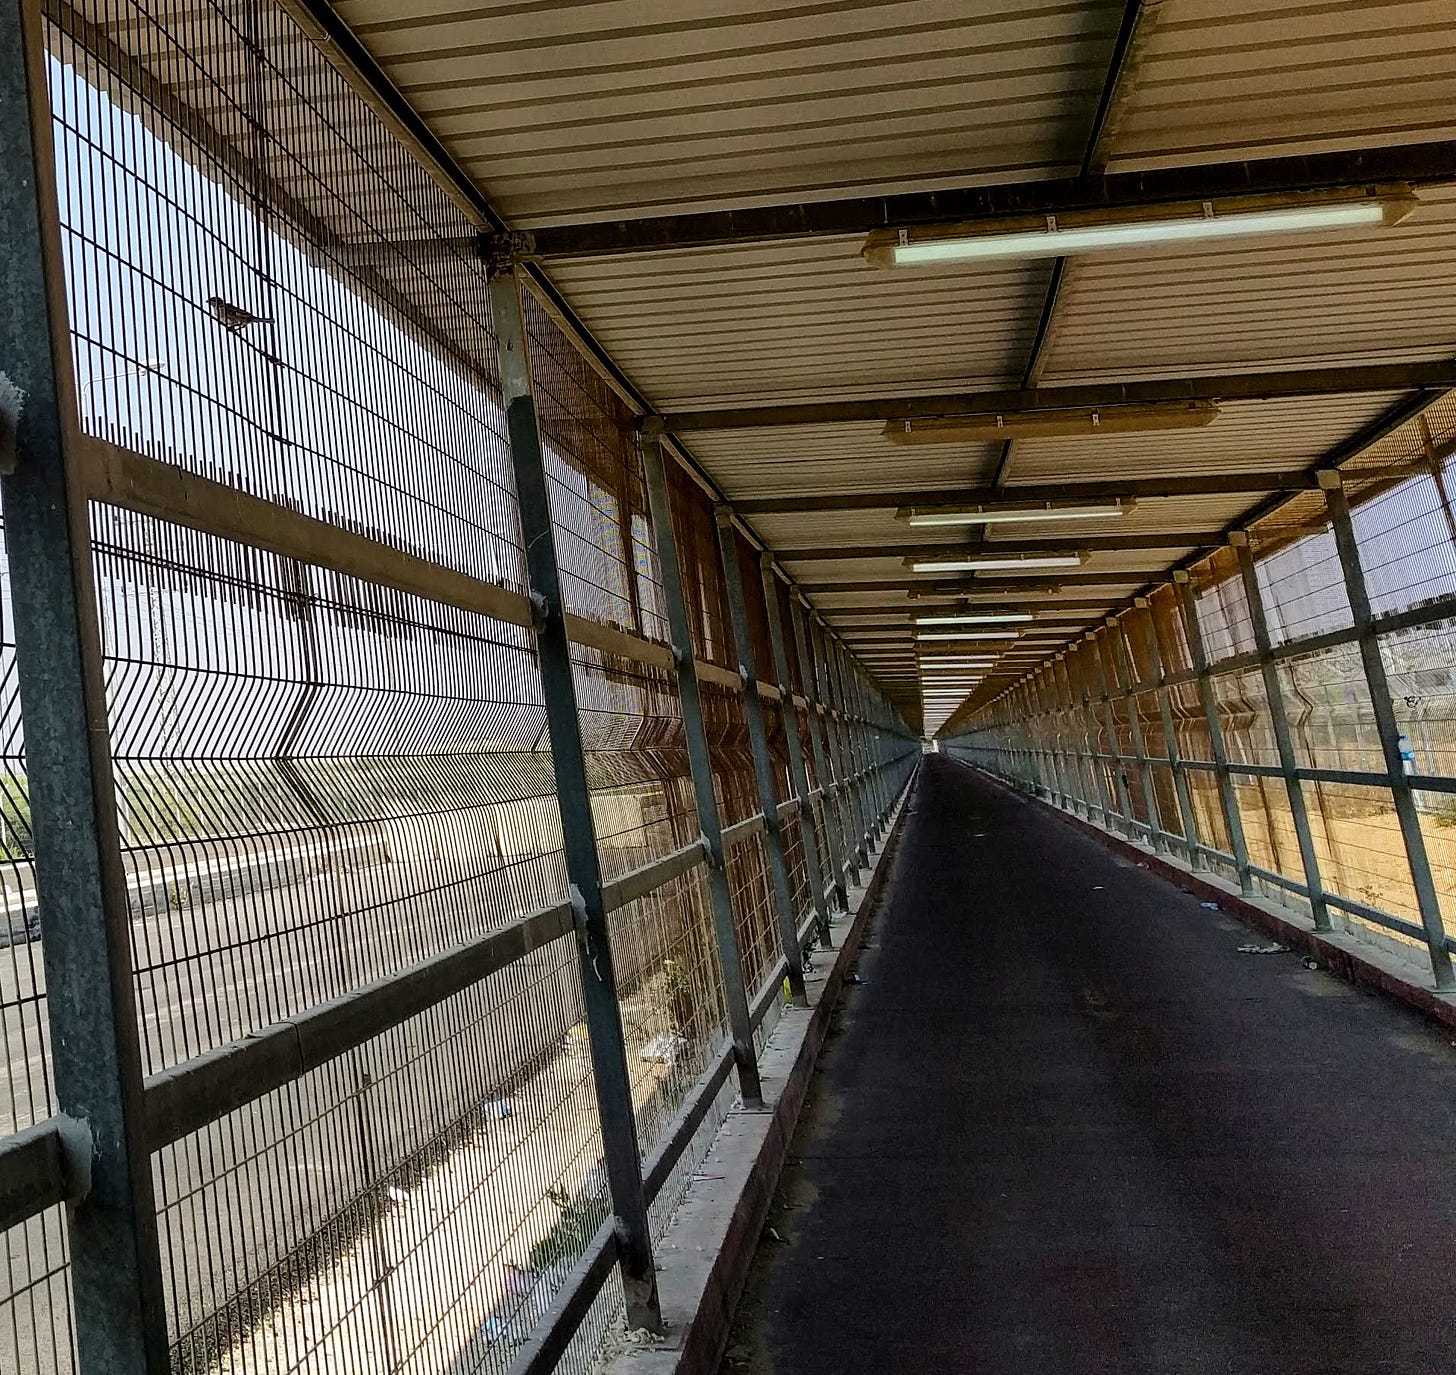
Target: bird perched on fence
<point>231,317</point>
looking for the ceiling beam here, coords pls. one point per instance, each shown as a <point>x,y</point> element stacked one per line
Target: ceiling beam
<point>1287,383</point>
<point>1418,164</point>
<point>969,585</point>
<point>1121,543</point>
<point>953,604</point>
<point>1136,489</point>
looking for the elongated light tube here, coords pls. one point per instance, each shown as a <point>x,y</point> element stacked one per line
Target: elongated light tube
<point>989,562</point>
<point>969,635</point>
<point>1056,241</point>
<point>979,515</point>
<point>979,618</point>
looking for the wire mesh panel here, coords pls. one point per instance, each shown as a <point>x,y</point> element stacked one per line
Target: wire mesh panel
<point>410,1205</point>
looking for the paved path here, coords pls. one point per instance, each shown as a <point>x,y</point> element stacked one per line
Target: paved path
<point>1066,1127</point>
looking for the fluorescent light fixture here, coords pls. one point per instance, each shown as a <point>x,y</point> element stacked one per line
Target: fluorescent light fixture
<point>979,618</point>
<point>1101,230</point>
<point>1013,563</point>
<point>1085,422</point>
<point>1010,515</point>
<point>968,635</point>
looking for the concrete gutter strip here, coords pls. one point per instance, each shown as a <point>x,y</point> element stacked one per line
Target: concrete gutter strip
<point>1347,956</point>
<point>704,1258</point>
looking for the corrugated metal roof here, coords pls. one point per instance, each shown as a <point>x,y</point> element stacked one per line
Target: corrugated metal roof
<point>590,110</point>
<point>802,320</point>
<point>1307,300</point>
<point>1264,78</point>
<point>580,111</point>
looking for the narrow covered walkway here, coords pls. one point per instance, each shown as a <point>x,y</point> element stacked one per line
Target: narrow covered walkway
<point>1066,1125</point>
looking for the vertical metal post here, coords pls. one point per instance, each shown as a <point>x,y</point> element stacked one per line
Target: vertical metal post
<point>700,766</point>
<point>1102,695</point>
<point>1122,671</point>
<point>558,687</point>
<point>835,736</point>
<point>830,802</point>
<point>1062,677</point>
<point>854,762</point>
<point>1053,728</point>
<point>116,1275</point>
<point>1427,899</point>
<point>1077,685</point>
<point>1288,762</point>
<point>854,695</point>
<point>1233,819</point>
<point>762,764</point>
<point>808,835</point>
<point>1170,736</point>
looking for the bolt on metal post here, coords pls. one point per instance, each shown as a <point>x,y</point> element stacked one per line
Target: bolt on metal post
<point>700,766</point>
<point>1427,898</point>
<point>598,975</point>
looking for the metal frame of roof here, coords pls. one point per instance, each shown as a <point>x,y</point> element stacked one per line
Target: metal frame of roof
<point>690,195</point>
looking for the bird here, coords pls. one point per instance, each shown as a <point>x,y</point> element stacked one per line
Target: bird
<point>231,317</point>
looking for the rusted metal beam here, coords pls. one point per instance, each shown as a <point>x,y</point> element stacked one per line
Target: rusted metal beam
<point>1417,164</point>
<point>1287,384</point>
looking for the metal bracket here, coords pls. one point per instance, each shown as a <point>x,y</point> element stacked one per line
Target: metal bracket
<point>501,249</point>
<point>651,427</point>
<point>78,1148</point>
<point>539,610</point>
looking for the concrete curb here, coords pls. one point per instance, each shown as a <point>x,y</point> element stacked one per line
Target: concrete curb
<point>703,1260</point>
<point>1338,953</point>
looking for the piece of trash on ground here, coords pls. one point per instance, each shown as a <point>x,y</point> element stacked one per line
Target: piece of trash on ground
<point>1263,949</point>
<point>499,1108</point>
<point>771,1234</point>
<point>1310,962</point>
<point>662,1050</point>
<point>853,979</point>
<point>1209,906</point>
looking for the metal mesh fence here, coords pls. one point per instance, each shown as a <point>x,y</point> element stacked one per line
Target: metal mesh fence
<point>1340,726</point>
<point>328,771</point>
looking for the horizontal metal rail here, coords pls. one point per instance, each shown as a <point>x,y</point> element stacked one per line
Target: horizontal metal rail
<point>186,1097</point>
<point>34,1174</point>
<point>1373,916</point>
<point>118,476</point>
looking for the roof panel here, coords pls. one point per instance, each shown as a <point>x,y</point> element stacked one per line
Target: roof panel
<point>582,110</point>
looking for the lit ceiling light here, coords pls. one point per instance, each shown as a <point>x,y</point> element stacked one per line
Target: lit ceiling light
<point>1009,515</point>
<point>1063,422</point>
<point>969,635</point>
<point>1013,563</point>
<point>1094,231</point>
<point>979,618</point>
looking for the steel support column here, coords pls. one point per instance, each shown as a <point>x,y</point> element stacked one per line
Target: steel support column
<point>1427,899</point>
<point>859,764</point>
<point>1283,740</point>
<point>1170,736</point>
<point>1124,677</point>
<point>762,763</point>
<point>1103,696</point>
<point>598,976</point>
<point>1208,700</point>
<point>821,741</point>
<point>808,834</point>
<point>837,735</point>
<point>700,766</point>
<point>95,1057</point>
<point>1069,711</point>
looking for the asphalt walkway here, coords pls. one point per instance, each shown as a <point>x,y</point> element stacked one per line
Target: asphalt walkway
<point>1064,1127</point>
